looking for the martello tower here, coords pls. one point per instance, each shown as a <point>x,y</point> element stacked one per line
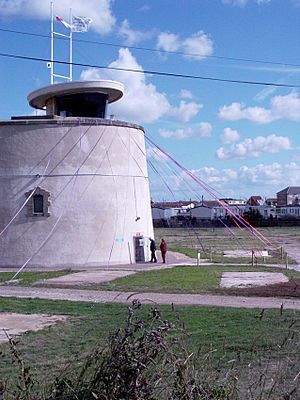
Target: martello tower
<point>74,184</point>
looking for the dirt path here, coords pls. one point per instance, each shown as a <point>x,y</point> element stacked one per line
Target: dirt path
<point>150,298</point>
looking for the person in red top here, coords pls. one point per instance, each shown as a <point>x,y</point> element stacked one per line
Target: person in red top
<point>163,249</point>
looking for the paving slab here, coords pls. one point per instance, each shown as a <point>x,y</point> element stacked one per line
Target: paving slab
<point>245,253</point>
<point>87,277</point>
<point>241,279</point>
<point>12,324</point>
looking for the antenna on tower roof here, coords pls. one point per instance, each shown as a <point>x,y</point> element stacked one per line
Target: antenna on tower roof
<point>75,24</point>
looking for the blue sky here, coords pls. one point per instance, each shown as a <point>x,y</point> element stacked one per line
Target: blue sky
<point>241,139</point>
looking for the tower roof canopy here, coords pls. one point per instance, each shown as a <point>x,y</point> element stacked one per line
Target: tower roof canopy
<point>39,98</point>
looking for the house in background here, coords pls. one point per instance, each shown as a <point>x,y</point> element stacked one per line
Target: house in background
<point>158,213</point>
<point>163,213</point>
<point>205,210</point>
<point>271,201</point>
<point>289,196</point>
<point>265,211</point>
<point>291,211</point>
<point>212,210</point>
<point>255,201</point>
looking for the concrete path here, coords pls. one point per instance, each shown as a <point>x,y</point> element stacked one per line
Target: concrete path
<point>148,298</point>
<point>173,259</point>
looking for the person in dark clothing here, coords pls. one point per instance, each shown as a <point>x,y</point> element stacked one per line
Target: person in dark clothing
<point>163,249</point>
<point>153,249</point>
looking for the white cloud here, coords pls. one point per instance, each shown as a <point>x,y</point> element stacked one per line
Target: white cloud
<point>242,3</point>
<point>141,101</point>
<point>282,107</point>
<point>286,107</point>
<point>131,36</point>
<point>264,179</point>
<point>229,136</point>
<point>185,111</point>
<point>254,147</point>
<point>262,174</point>
<point>204,129</point>
<point>261,179</point>
<point>186,94</point>
<point>212,174</point>
<point>98,10</point>
<point>182,133</point>
<point>238,111</point>
<point>197,46</point>
<point>168,42</point>
<point>201,130</point>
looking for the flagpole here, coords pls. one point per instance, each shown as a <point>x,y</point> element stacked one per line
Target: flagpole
<point>51,45</point>
<point>71,47</point>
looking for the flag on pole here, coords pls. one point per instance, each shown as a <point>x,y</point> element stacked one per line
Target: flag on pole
<point>63,22</point>
<point>80,24</point>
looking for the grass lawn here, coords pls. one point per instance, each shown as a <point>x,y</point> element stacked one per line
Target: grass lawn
<point>231,333</point>
<point>182,279</point>
<point>218,257</point>
<point>29,277</point>
<point>216,240</point>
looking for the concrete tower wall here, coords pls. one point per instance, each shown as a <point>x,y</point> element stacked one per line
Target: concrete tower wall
<point>94,215</point>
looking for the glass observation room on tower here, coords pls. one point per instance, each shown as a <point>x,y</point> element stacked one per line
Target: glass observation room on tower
<point>82,105</point>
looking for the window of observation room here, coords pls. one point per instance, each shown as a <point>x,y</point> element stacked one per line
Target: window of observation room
<point>38,203</point>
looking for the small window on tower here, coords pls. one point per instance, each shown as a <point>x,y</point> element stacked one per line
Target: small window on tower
<point>38,203</point>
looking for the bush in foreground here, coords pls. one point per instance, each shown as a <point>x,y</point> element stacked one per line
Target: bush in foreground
<point>148,359</point>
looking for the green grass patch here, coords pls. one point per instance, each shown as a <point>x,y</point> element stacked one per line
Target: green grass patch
<point>28,278</point>
<point>64,344</point>
<point>218,257</point>
<point>183,279</point>
<point>217,240</point>
<point>227,331</point>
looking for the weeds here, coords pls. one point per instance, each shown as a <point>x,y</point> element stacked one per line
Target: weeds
<point>148,359</point>
<point>25,380</point>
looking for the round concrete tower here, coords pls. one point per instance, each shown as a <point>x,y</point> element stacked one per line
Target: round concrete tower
<point>74,185</point>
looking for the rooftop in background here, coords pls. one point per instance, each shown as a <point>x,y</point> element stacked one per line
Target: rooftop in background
<point>290,190</point>
<point>233,202</point>
<point>172,204</point>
